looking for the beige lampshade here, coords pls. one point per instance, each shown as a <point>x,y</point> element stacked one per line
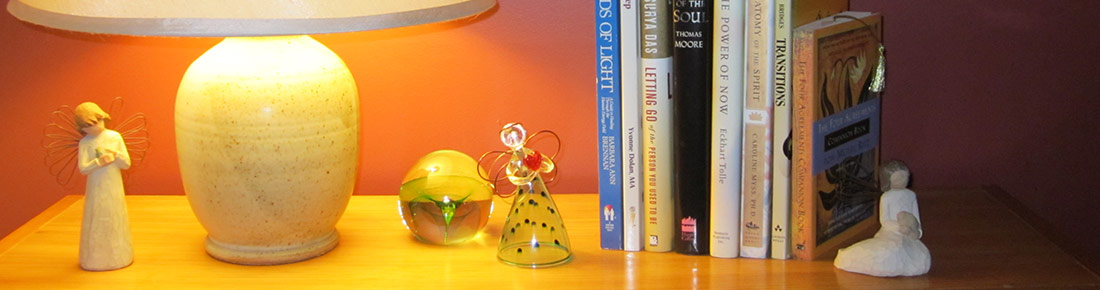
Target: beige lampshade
<point>238,17</point>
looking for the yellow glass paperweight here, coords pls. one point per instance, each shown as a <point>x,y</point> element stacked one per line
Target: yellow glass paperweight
<point>443,199</point>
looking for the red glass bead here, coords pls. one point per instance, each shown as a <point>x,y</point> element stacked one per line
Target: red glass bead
<point>533,161</point>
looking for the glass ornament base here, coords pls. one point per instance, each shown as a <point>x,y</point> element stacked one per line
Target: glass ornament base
<point>534,234</point>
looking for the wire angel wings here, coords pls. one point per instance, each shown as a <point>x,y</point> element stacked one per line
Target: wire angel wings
<point>61,139</point>
<point>521,163</point>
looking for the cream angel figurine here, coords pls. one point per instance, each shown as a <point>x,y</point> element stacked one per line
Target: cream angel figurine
<point>896,250</point>
<point>105,242</point>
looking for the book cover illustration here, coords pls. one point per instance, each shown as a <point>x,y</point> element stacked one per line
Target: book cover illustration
<point>691,123</point>
<point>609,127</point>
<point>837,125</point>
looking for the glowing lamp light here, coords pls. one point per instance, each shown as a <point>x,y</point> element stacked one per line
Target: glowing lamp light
<point>267,121</point>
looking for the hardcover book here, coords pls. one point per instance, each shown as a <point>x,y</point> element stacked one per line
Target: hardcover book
<point>692,27</point>
<point>757,130</point>
<point>727,98</point>
<point>655,23</point>
<point>788,15</point>
<point>633,232</point>
<point>836,133</point>
<point>608,103</point>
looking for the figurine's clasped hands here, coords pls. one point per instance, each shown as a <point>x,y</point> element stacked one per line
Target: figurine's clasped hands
<point>107,158</point>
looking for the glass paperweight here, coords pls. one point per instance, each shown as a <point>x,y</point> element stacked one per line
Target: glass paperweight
<point>533,234</point>
<point>443,199</point>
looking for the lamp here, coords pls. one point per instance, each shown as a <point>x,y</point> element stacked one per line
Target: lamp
<point>267,121</point>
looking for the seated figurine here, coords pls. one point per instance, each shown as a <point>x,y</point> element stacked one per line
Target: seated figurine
<point>896,249</point>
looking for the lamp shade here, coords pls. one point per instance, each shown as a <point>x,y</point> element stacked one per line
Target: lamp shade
<point>238,17</point>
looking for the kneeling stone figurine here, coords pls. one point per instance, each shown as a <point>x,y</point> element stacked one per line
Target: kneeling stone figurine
<point>896,249</point>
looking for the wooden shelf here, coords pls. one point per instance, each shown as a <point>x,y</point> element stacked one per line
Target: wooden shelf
<point>976,242</point>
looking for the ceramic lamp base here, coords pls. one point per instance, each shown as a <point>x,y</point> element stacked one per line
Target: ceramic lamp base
<point>267,134</point>
<point>253,255</point>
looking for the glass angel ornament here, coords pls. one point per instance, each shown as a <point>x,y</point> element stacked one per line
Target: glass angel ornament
<point>443,200</point>
<point>101,154</point>
<point>533,234</point>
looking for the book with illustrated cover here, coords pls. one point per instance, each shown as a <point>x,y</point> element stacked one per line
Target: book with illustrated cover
<point>788,15</point>
<point>757,130</point>
<point>655,28</point>
<point>692,29</point>
<point>836,133</point>
<point>633,232</point>
<point>608,107</point>
<point>727,95</point>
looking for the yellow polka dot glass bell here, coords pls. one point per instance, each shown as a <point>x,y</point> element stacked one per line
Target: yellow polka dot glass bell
<point>533,234</point>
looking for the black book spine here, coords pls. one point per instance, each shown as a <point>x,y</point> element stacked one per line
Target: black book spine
<point>691,113</point>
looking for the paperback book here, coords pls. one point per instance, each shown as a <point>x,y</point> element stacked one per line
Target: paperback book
<point>788,15</point>
<point>757,130</point>
<point>655,23</point>
<point>633,232</point>
<point>608,103</point>
<point>836,133</point>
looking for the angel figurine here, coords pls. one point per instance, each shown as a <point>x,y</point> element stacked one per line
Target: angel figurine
<point>101,154</point>
<point>896,249</point>
<point>105,232</point>
<point>534,234</point>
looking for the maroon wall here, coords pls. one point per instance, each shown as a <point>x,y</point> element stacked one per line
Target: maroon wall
<point>1003,93</point>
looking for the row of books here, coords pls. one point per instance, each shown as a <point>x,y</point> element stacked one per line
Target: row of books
<point>703,105</point>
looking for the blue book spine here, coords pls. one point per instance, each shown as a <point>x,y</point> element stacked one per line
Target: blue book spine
<point>609,98</point>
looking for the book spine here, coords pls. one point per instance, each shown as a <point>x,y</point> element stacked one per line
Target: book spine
<point>608,95</point>
<point>633,232</point>
<point>655,22</point>
<point>802,223</point>
<point>756,188</point>
<point>726,116</point>
<point>692,30</point>
<point>781,134</point>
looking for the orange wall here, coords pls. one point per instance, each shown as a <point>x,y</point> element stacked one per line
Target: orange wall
<point>422,88</point>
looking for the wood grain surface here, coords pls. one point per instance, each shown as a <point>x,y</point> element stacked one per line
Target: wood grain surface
<point>976,242</point>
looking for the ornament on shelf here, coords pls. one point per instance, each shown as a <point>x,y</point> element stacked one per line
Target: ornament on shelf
<point>533,234</point>
<point>896,249</point>
<point>443,200</point>
<point>80,139</point>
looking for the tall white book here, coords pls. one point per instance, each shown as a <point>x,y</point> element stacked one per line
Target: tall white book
<point>728,88</point>
<point>633,231</point>
<point>756,159</point>
<point>781,128</point>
